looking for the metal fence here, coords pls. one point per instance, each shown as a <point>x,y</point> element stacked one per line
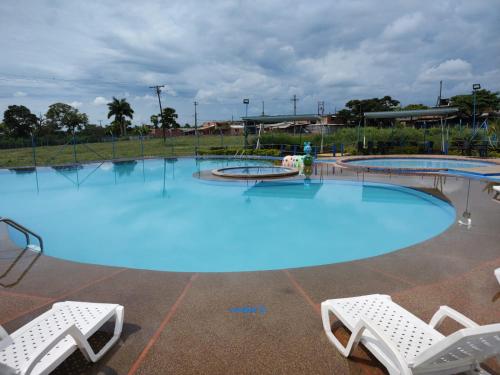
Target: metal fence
<point>74,150</point>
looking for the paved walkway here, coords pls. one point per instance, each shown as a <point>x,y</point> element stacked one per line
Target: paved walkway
<point>182,323</point>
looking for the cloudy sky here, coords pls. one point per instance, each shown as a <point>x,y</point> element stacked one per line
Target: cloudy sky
<point>219,52</point>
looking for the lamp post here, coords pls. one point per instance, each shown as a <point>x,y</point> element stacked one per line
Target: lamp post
<point>475,87</point>
<point>245,130</point>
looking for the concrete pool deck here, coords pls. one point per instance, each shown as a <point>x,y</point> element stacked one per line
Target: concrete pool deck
<point>186,323</point>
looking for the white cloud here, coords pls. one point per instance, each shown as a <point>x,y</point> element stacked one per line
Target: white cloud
<point>100,100</point>
<point>146,97</point>
<point>76,104</point>
<point>19,94</point>
<point>453,70</point>
<point>404,25</point>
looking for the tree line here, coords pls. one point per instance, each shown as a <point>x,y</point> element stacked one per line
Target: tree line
<point>486,101</point>
<point>62,119</point>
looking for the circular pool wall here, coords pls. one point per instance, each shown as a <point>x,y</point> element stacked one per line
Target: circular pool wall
<point>414,163</point>
<point>255,172</point>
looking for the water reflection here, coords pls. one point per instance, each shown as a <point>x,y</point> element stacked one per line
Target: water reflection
<point>306,189</point>
<point>27,171</point>
<point>385,195</point>
<point>124,168</point>
<point>24,261</point>
<point>15,261</point>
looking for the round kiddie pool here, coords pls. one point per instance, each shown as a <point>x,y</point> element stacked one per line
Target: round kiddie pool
<point>416,164</point>
<point>255,172</point>
<point>154,214</point>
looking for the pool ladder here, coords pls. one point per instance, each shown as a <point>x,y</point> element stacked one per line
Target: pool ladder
<point>28,234</point>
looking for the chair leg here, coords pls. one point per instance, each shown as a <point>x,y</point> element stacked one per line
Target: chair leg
<point>325,310</point>
<point>119,312</point>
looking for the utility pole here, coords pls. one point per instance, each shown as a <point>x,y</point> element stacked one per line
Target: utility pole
<point>438,104</point>
<point>196,125</point>
<point>294,100</point>
<point>158,88</point>
<point>262,108</point>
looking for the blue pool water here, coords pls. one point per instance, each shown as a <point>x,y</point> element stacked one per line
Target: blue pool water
<point>419,163</point>
<point>156,215</point>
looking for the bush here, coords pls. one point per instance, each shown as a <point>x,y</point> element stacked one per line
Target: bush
<point>388,140</point>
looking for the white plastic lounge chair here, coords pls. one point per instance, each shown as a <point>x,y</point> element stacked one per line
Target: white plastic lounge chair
<point>403,343</point>
<point>41,345</point>
<point>497,191</point>
<point>497,274</point>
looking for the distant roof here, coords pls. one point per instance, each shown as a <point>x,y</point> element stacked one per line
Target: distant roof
<point>280,118</point>
<point>414,113</point>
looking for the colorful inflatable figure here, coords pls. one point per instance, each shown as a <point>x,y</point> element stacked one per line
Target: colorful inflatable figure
<point>295,161</point>
<point>300,161</point>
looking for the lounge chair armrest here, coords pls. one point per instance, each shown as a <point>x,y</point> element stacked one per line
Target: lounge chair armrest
<point>447,312</point>
<point>70,330</point>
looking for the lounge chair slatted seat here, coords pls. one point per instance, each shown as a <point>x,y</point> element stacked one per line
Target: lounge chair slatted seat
<point>41,345</point>
<point>403,343</point>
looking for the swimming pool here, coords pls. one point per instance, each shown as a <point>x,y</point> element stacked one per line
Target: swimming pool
<point>155,214</point>
<point>418,163</point>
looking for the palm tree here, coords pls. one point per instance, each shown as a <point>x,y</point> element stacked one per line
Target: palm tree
<point>120,108</point>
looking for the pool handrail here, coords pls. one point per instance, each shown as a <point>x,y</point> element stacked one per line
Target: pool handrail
<point>27,232</point>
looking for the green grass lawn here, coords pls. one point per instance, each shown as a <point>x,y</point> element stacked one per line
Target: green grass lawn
<point>54,155</point>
